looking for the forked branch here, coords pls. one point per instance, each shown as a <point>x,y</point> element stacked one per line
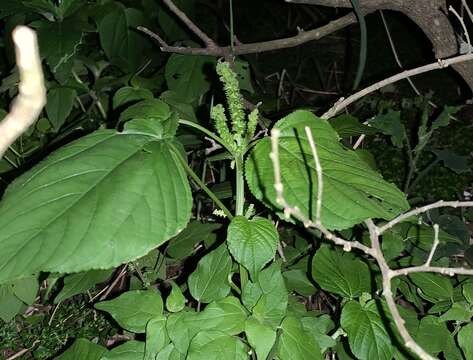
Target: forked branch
<point>375,231</point>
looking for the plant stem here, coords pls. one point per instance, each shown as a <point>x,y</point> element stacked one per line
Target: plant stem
<point>421,175</point>
<point>205,131</point>
<point>240,186</point>
<point>201,184</point>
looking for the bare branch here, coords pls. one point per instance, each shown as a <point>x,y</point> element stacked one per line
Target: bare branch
<point>318,169</point>
<point>420,210</point>
<point>31,93</point>
<point>258,47</point>
<point>342,103</point>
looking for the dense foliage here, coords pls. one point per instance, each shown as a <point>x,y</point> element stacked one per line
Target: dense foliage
<point>142,204</point>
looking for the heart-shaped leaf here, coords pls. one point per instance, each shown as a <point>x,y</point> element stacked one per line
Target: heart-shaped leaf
<point>252,243</point>
<point>100,201</point>
<point>352,191</point>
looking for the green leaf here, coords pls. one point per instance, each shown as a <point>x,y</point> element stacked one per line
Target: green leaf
<point>152,116</point>
<point>459,164</point>
<point>226,315</point>
<point>78,283</point>
<point>467,290</point>
<point>261,337</point>
<point>26,289</point>
<point>133,309</point>
<point>253,243</point>
<point>296,280</point>
<point>432,335</point>
<point>170,353</point>
<point>352,191</point>
<point>460,311</point>
<point>209,281</point>
<point>215,345</point>
<point>390,124</point>
<point>346,126</point>
<point>340,272</point>
<point>179,105</point>
<point>186,75</point>
<point>131,350</point>
<point>183,244</point>
<point>434,286</point>
<point>83,349</point>
<point>127,94</point>
<point>156,337</point>
<point>271,306</point>
<point>464,340</point>
<point>59,41</point>
<point>243,74</point>
<point>10,305</point>
<point>318,327</point>
<point>175,301</point>
<point>182,327</point>
<point>100,201</point>
<point>123,45</point>
<point>67,8</point>
<point>59,105</point>
<point>367,335</point>
<point>295,343</point>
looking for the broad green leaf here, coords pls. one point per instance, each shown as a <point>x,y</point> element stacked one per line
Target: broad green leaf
<point>390,124</point>
<point>100,201</point>
<point>10,305</point>
<point>296,280</point>
<point>182,327</point>
<point>460,311</point>
<point>271,306</point>
<point>209,281</point>
<point>367,335</point>
<point>226,315</point>
<point>422,236</point>
<point>346,125</point>
<point>340,272</point>
<point>123,45</point>
<point>175,301</point>
<point>132,310</point>
<point>59,105</point>
<point>26,289</point>
<point>154,116</point>
<point>216,345</point>
<point>434,286</point>
<point>156,337</point>
<point>261,337</point>
<point>179,105</point>
<point>186,75</point>
<point>459,164</point>
<point>183,244</point>
<point>464,340</point>
<point>127,94</point>
<point>253,243</point>
<point>296,343</point>
<point>59,41</point>
<point>170,353</point>
<point>352,191</point>
<point>432,334</point>
<point>467,290</point>
<point>67,8</point>
<point>78,283</point>
<point>131,350</point>
<point>83,349</point>
<point>318,327</point>
<point>243,73</point>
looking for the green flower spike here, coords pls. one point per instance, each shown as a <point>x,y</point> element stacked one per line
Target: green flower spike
<point>252,122</point>
<point>217,114</point>
<point>234,99</point>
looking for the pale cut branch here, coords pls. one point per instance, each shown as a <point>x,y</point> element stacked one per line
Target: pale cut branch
<point>375,250</point>
<point>31,97</point>
<point>342,103</point>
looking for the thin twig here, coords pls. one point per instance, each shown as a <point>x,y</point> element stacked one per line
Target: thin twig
<point>462,23</point>
<point>189,23</point>
<point>318,169</point>
<point>342,103</point>
<point>434,245</point>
